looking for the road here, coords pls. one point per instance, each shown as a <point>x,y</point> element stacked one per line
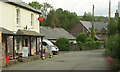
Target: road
<point>79,60</point>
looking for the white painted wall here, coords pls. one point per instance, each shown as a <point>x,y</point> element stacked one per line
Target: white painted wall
<point>0,13</point>
<point>9,18</point>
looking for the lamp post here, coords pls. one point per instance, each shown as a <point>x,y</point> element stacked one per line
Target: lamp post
<point>40,20</point>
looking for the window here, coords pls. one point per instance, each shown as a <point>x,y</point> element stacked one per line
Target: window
<point>32,17</point>
<point>18,16</point>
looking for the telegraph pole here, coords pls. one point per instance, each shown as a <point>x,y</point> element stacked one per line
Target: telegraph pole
<point>109,11</point>
<point>93,15</point>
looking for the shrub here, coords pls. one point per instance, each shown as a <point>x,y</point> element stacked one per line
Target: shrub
<point>81,37</point>
<point>89,40</point>
<point>112,46</point>
<point>80,44</point>
<point>93,44</point>
<point>63,44</point>
<point>116,65</point>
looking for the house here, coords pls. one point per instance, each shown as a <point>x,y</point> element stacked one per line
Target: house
<point>20,28</point>
<point>85,26</point>
<point>53,34</point>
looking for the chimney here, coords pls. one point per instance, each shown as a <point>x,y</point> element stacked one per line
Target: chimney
<point>116,14</point>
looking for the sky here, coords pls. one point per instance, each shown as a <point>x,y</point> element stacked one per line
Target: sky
<point>82,6</point>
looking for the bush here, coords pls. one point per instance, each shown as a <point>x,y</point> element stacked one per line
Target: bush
<point>116,65</point>
<point>89,40</point>
<point>63,44</point>
<point>93,44</point>
<point>80,44</point>
<point>112,46</point>
<point>81,37</point>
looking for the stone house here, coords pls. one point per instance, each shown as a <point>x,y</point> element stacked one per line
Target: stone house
<point>85,27</point>
<point>20,28</point>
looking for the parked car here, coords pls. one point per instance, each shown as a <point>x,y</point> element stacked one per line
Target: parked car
<point>49,46</point>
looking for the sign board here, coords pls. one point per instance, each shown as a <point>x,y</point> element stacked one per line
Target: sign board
<point>25,52</point>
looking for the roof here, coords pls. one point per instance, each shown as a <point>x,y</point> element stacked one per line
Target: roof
<point>98,38</point>
<point>97,25</point>
<point>56,33</point>
<point>21,4</point>
<point>28,33</point>
<point>6,32</point>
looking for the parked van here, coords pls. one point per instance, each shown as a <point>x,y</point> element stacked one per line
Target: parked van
<point>49,46</point>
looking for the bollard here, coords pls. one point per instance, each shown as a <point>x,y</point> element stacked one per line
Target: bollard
<point>50,55</point>
<point>43,56</point>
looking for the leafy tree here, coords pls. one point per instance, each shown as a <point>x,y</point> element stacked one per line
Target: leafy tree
<point>112,27</point>
<point>52,18</point>
<point>87,16</point>
<point>118,25</point>
<point>36,5</point>
<point>93,32</point>
<point>45,8</point>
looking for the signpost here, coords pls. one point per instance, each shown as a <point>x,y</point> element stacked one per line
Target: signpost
<point>25,52</point>
<point>41,19</point>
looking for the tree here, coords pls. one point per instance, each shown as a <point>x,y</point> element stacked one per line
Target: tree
<point>45,8</point>
<point>87,16</point>
<point>36,5</point>
<point>112,27</point>
<point>52,17</point>
<point>93,32</point>
<point>118,25</point>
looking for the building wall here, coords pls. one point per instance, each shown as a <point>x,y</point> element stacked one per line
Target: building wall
<point>101,35</point>
<point>9,20</point>
<point>0,13</point>
<point>78,28</point>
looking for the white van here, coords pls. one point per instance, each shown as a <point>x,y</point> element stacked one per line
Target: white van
<point>49,46</point>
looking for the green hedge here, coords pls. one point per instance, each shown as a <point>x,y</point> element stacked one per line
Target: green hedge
<point>63,44</point>
<point>93,44</point>
<point>90,45</point>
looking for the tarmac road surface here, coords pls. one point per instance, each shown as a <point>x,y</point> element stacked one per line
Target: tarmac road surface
<point>78,60</point>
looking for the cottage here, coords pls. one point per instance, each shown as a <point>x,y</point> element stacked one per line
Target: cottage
<point>85,26</point>
<point>20,28</point>
<point>54,33</point>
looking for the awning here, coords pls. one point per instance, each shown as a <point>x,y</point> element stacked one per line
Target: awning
<point>6,32</point>
<point>28,33</point>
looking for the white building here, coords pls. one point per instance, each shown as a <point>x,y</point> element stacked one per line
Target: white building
<point>20,27</point>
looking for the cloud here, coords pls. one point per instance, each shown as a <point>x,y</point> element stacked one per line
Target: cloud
<point>81,6</point>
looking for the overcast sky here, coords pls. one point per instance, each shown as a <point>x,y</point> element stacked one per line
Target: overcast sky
<point>81,6</point>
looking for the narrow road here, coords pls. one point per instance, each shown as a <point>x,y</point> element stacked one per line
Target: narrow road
<point>79,60</point>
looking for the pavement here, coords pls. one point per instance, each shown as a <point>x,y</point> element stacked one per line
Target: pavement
<point>78,60</point>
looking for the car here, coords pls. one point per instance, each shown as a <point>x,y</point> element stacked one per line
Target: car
<point>49,47</point>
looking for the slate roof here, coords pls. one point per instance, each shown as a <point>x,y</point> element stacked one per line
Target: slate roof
<point>28,33</point>
<point>6,31</point>
<point>56,33</point>
<point>21,4</point>
<point>97,25</point>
